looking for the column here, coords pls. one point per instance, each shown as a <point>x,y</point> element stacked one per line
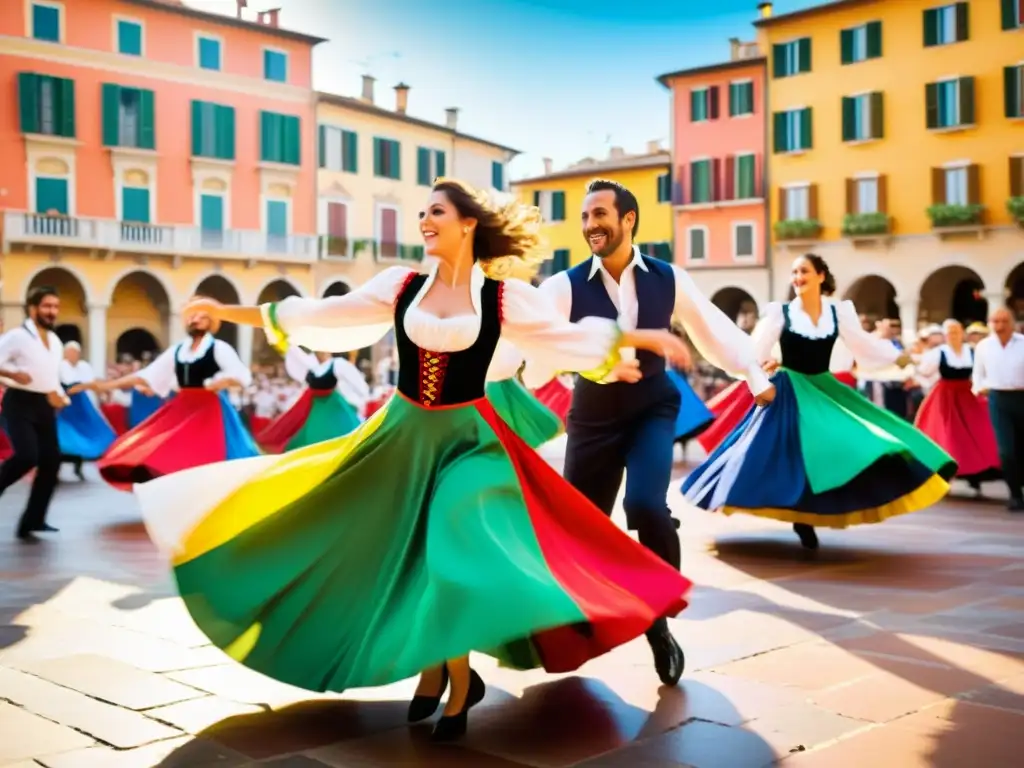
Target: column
<point>909,312</point>
<point>175,327</point>
<point>98,339</point>
<point>245,344</point>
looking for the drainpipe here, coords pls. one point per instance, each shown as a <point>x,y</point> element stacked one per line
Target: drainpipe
<point>769,257</point>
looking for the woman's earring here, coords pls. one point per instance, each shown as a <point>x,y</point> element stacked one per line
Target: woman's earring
<point>465,230</point>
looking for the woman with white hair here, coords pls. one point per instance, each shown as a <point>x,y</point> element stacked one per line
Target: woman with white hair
<point>954,416</point>
<point>83,432</point>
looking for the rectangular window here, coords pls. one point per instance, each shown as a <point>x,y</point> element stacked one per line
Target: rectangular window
<point>558,206</point>
<point>128,117</point>
<point>744,181</point>
<point>866,195</point>
<point>743,241</point>
<point>798,203</point>
<point>862,117</point>
<point>741,99</point>
<point>498,175</point>
<point>1017,176</point>
<point>275,66</point>
<point>51,196</point>
<point>135,204</point>
<point>46,104</point>
<point>665,188</point>
<point>703,104</point>
<point>337,229</point>
<point>430,164</point>
<point>696,241</point>
<point>1013,14</point>
<point>861,43</point>
<point>701,183</point>
<point>387,158</point>
<point>280,138</point>
<point>950,103</point>
<point>213,130</point>
<point>559,260</point>
<point>211,221</point>
<point>1013,90</point>
<point>792,58</point>
<point>945,25</point>
<point>338,149</point>
<point>209,53</point>
<point>129,37</point>
<point>277,218</point>
<point>46,22</point>
<point>956,186</point>
<point>793,130</point>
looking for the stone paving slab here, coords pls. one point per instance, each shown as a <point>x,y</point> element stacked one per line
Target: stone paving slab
<point>903,642</point>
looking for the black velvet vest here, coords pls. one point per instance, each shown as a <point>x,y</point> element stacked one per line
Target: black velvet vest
<point>325,382</point>
<point>804,355</point>
<point>194,375</point>
<point>446,378</point>
<point>947,371</point>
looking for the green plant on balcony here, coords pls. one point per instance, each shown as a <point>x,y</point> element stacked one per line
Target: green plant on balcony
<point>336,245</point>
<point>410,252</point>
<point>797,229</point>
<point>364,244</point>
<point>859,224</point>
<point>955,215</point>
<point>1015,205</point>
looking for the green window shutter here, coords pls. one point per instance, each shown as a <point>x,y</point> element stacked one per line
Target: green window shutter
<point>135,204</point>
<point>277,218</point>
<point>111,97</point>
<point>1011,91</point>
<point>962,22</point>
<point>931,101</point>
<point>497,175</point>
<point>874,35</point>
<point>224,132</point>
<point>267,148</point>
<point>147,125</point>
<point>51,195</point>
<point>695,97</point>
<point>129,38</point>
<point>293,140</point>
<point>46,23</point>
<point>395,155</point>
<point>378,157</point>
<point>439,163</point>
<point>849,118</point>
<point>846,46</point>
<point>211,213</point>
<point>28,101</point>
<point>780,141</point>
<point>966,100</point>
<point>1009,14</point>
<point>321,146</point>
<point>350,152</point>
<point>804,49</point>
<point>423,166</point>
<point>806,128</point>
<point>931,27</point>
<point>64,93</point>
<point>558,206</point>
<point>778,60</point>
<point>197,128</point>
<point>536,199</point>
<point>877,115</point>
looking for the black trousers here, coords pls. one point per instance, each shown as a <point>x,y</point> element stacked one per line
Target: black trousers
<point>627,428</point>
<point>31,425</point>
<point>1006,409</point>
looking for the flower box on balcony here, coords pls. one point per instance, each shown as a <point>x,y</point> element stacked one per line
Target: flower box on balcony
<point>1015,205</point>
<point>796,231</point>
<point>865,224</point>
<point>955,219</point>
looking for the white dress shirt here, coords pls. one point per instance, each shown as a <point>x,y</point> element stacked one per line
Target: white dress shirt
<point>997,367</point>
<point>161,375</point>
<point>718,339</point>
<point>22,349</point>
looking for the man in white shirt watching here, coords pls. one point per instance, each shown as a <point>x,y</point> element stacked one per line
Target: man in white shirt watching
<point>30,357</point>
<point>999,373</point>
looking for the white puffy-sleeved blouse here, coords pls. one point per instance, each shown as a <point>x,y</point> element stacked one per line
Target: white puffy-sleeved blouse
<point>161,376</point>
<point>869,352</point>
<point>506,362</point>
<point>361,318</point>
<point>928,364</point>
<point>352,383</point>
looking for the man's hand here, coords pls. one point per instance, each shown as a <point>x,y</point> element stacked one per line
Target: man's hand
<point>627,371</point>
<point>766,397</point>
<point>57,400</point>
<point>77,388</point>
<point>904,360</point>
<point>19,377</point>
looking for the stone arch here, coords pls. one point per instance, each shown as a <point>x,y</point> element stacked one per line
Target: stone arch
<point>135,177</point>
<point>140,303</point>
<point>71,285</point>
<point>273,290</point>
<point>225,291</point>
<point>52,166</point>
<point>1015,291</point>
<point>136,343</point>
<point>739,305</point>
<point>953,291</point>
<point>875,299</point>
<point>337,287</point>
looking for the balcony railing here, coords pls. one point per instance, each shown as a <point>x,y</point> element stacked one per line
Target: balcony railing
<point>157,239</point>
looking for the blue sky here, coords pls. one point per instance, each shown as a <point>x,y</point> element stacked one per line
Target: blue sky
<point>554,78</point>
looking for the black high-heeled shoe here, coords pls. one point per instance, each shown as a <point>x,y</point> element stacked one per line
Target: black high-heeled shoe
<point>452,727</point>
<point>422,707</point>
<point>807,534</point>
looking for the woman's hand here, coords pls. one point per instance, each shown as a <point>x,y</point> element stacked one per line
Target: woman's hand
<point>771,367</point>
<point>664,343</point>
<point>203,306</point>
<point>904,360</point>
<point>78,388</point>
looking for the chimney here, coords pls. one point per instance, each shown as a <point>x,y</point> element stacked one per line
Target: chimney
<point>548,163</point>
<point>267,18</point>
<point>452,118</point>
<point>368,81</point>
<point>401,98</point>
<point>241,4</point>
<point>734,48</point>
<point>654,147</point>
<point>765,9</point>
<point>616,153</point>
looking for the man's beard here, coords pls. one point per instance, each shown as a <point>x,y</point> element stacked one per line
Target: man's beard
<point>45,322</point>
<point>612,242</point>
<point>195,332</point>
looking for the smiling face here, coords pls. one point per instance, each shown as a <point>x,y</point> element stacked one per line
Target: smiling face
<point>45,314</point>
<point>804,279</point>
<point>955,334</point>
<point>603,228</point>
<point>442,227</point>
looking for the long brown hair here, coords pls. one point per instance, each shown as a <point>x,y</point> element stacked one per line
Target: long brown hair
<point>507,234</point>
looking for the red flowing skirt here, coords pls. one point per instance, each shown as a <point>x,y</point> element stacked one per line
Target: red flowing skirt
<point>6,451</point>
<point>258,423</point>
<point>556,396</point>
<point>958,420</point>
<point>117,417</point>
<point>274,437</point>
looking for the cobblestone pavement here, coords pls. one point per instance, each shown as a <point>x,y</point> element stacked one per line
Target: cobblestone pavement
<point>895,645</point>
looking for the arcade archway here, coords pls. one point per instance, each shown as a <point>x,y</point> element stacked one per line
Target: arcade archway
<point>224,291</point>
<point>137,343</point>
<point>953,292</point>
<point>1015,291</point>
<point>72,322</point>
<point>875,299</point>
<point>139,308</point>
<point>277,290</point>
<point>738,305</point>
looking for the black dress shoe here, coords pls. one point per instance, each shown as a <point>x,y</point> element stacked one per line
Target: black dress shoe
<point>452,727</point>
<point>422,707</point>
<point>808,536</point>
<point>669,661</point>
<point>1016,505</point>
<point>45,528</point>
<point>27,537</point>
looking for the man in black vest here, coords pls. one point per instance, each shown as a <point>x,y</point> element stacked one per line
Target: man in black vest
<point>626,422</point>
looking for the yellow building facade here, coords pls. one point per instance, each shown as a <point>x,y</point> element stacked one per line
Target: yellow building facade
<point>559,195</point>
<point>896,132</point>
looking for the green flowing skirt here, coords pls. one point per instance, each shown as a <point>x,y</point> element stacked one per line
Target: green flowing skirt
<point>528,416</point>
<point>329,417</point>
